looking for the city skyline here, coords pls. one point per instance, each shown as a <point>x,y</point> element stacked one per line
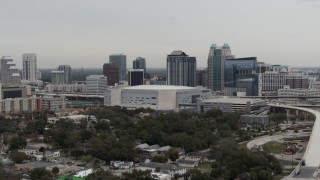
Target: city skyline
<point>84,34</point>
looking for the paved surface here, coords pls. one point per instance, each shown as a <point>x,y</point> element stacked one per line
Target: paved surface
<point>263,140</point>
<point>305,173</point>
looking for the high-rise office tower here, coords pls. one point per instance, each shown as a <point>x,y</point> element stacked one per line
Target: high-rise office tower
<point>216,59</point>
<point>111,71</point>
<point>181,69</point>
<point>9,73</point>
<point>139,63</point>
<point>202,78</point>
<point>29,71</point>
<point>121,61</point>
<point>57,77</point>
<point>242,73</point>
<point>135,77</point>
<point>67,73</point>
<point>96,84</point>
<point>39,76</point>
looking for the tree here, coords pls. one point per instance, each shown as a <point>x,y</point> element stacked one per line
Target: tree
<point>43,150</point>
<point>40,174</point>
<point>224,148</point>
<point>55,171</point>
<point>18,157</point>
<point>213,113</point>
<point>17,143</point>
<point>173,154</point>
<point>278,117</point>
<point>160,159</point>
<point>102,175</point>
<point>137,175</point>
<point>76,153</point>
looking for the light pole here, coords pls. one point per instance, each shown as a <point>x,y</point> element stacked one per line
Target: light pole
<point>292,160</point>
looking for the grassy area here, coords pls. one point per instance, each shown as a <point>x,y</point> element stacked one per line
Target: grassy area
<point>274,147</point>
<point>205,167</point>
<point>243,144</point>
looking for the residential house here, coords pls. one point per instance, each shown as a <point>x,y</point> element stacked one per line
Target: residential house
<point>187,163</point>
<point>160,176</point>
<point>163,167</point>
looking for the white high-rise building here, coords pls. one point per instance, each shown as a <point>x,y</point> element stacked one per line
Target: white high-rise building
<point>96,84</point>
<point>29,71</point>
<point>9,73</point>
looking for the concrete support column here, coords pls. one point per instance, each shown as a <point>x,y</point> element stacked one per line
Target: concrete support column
<point>305,116</point>
<point>288,113</point>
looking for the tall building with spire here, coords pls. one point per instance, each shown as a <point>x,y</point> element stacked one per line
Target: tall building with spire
<point>216,60</point>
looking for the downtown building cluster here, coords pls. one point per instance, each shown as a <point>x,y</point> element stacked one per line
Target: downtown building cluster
<point>230,76</point>
<point>225,75</point>
<point>16,88</point>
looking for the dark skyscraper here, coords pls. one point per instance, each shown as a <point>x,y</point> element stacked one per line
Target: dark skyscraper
<point>112,72</point>
<point>121,61</point>
<point>181,69</point>
<point>136,77</point>
<point>139,63</point>
<point>202,78</point>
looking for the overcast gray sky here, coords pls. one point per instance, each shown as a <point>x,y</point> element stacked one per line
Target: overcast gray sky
<point>83,33</point>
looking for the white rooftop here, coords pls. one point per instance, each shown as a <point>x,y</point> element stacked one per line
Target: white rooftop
<point>57,72</point>
<point>15,74</point>
<point>159,87</point>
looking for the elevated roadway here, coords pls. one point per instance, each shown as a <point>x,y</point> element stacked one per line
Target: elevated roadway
<point>307,168</point>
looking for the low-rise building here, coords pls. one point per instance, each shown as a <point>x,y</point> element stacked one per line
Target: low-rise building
<point>121,164</point>
<point>18,105</point>
<point>66,87</point>
<point>254,121</point>
<point>160,176</point>
<point>52,103</point>
<point>83,172</point>
<point>187,163</point>
<point>154,149</point>
<point>231,104</point>
<point>163,167</point>
<point>158,97</point>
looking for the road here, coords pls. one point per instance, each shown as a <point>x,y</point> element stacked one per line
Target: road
<point>263,140</point>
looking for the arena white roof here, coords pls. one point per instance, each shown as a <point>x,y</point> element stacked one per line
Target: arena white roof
<point>159,87</point>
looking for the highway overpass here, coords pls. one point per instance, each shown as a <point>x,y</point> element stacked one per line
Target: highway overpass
<point>308,167</point>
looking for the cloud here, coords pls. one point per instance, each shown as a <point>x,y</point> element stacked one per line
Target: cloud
<point>309,1</point>
<point>313,3</point>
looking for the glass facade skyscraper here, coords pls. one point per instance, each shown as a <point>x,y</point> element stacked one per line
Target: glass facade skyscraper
<point>121,61</point>
<point>139,63</point>
<point>216,59</point>
<point>242,73</point>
